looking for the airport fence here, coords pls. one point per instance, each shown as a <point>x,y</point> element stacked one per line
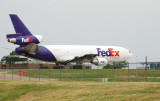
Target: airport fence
<point>95,75</point>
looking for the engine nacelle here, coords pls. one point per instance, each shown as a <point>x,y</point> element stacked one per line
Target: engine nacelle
<point>24,40</point>
<point>99,61</point>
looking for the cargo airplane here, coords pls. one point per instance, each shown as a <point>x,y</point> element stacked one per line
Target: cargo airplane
<point>63,54</point>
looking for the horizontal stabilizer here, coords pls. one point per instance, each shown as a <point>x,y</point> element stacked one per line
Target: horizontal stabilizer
<point>13,35</point>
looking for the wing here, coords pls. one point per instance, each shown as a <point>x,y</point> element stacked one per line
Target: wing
<point>89,57</point>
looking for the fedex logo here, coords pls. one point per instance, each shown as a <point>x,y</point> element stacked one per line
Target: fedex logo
<point>109,52</point>
<point>103,62</point>
<point>27,40</point>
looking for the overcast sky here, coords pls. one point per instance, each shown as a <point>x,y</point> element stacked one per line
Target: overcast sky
<point>133,24</point>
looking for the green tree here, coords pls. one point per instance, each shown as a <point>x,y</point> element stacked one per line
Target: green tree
<point>13,53</point>
<point>116,65</point>
<point>13,57</point>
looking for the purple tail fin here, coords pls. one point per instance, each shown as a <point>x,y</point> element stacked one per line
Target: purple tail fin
<point>19,26</point>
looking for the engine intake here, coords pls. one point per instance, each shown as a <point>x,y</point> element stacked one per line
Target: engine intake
<point>99,61</point>
<point>12,40</point>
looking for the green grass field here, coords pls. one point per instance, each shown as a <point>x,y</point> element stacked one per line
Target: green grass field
<point>79,91</point>
<point>95,75</point>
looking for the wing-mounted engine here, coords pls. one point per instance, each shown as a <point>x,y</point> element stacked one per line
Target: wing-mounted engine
<point>99,61</point>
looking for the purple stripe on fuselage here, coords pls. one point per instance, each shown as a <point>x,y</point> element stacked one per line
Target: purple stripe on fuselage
<point>44,54</point>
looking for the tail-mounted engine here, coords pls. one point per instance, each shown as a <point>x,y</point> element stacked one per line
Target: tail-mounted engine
<point>24,40</point>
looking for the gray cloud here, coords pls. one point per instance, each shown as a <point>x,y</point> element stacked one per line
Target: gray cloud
<point>133,24</point>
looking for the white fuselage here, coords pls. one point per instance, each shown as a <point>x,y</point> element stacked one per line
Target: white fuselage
<point>63,53</point>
